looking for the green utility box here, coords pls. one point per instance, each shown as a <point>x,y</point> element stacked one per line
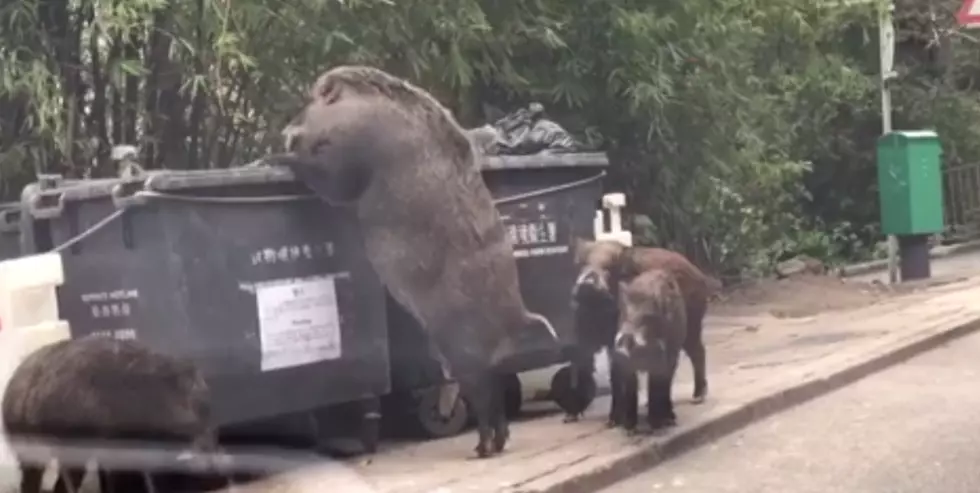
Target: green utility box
<point>910,183</point>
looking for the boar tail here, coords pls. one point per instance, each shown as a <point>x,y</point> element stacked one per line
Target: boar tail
<point>448,395</point>
<point>541,319</point>
<point>510,344</point>
<point>449,391</point>
<point>714,285</point>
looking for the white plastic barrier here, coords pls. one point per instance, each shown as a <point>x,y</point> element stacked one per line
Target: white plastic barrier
<point>28,290</point>
<point>28,320</point>
<point>29,306</point>
<point>614,203</point>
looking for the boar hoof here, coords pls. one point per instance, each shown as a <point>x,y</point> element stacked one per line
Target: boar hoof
<point>700,392</point>
<point>662,422</point>
<point>483,450</point>
<point>571,418</point>
<point>500,441</point>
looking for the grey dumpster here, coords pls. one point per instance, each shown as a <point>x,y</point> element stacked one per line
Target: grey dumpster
<point>264,286</point>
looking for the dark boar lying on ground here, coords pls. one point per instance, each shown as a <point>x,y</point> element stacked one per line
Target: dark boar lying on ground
<point>652,327</point>
<point>95,388</point>
<point>431,230</point>
<point>603,265</point>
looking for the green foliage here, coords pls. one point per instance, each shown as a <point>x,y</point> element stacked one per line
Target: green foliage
<point>742,130</point>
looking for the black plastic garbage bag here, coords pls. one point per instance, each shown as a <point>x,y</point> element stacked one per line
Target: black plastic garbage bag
<point>523,132</point>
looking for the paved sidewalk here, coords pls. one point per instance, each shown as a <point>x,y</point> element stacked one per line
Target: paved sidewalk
<point>964,261</point>
<point>757,365</point>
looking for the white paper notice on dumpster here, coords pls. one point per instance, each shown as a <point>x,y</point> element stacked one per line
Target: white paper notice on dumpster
<point>299,322</point>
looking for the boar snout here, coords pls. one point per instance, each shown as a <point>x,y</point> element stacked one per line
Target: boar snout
<point>628,343</point>
<point>589,278</point>
<point>293,136</point>
<point>591,283</point>
<point>642,355</point>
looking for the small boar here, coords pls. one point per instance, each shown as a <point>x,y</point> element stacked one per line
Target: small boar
<point>652,328</point>
<point>95,388</point>
<point>603,265</point>
<point>431,231</point>
<point>595,320</point>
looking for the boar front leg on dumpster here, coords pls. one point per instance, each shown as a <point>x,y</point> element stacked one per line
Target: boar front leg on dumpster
<point>430,227</point>
<point>99,388</point>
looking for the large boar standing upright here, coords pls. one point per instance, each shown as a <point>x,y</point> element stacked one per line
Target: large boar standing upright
<point>95,388</point>
<point>603,265</point>
<point>652,328</point>
<point>431,230</point>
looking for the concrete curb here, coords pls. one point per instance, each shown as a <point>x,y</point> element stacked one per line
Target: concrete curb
<point>730,420</point>
<point>882,264</point>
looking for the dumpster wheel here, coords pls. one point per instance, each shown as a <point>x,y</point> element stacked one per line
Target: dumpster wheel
<point>567,398</point>
<point>370,433</point>
<point>432,424</point>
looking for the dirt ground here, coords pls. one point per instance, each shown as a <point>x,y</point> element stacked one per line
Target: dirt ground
<point>800,296</point>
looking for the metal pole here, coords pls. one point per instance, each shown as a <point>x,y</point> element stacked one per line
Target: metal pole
<point>886,51</point>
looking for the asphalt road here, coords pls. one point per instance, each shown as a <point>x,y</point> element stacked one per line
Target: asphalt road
<point>914,428</point>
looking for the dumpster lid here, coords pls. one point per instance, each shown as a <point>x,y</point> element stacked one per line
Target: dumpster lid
<point>257,175</point>
<point>164,180</point>
<point>80,190</point>
<point>547,160</point>
<point>41,202</point>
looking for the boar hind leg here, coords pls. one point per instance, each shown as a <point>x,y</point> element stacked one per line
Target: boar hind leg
<point>630,391</point>
<point>30,479</point>
<point>660,405</point>
<point>501,429</point>
<point>694,348</point>
<point>478,383</point>
<point>69,480</point>
<point>617,389</point>
<point>479,386</point>
<point>581,370</point>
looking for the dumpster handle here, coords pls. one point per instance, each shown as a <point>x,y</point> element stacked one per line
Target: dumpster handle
<point>549,190</point>
<point>39,204</point>
<point>152,194</point>
<point>10,220</point>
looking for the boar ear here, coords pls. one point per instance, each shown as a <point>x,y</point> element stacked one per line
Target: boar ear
<point>326,90</point>
<point>628,266</point>
<point>582,248</point>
